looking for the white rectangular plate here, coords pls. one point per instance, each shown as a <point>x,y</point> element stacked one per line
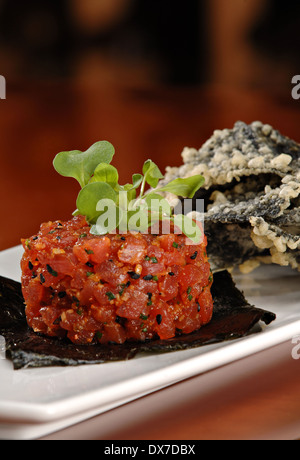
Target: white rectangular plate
<point>35,402</point>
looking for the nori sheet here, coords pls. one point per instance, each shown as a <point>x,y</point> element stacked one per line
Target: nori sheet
<point>233,318</point>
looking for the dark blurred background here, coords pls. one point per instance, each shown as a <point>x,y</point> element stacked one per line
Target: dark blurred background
<point>253,42</point>
<point>151,76</point>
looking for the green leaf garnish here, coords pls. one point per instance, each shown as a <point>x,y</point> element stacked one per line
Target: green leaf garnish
<point>110,207</point>
<point>137,179</point>
<point>106,173</point>
<point>90,195</point>
<point>81,165</point>
<point>158,204</point>
<point>184,187</point>
<point>109,219</point>
<point>152,173</point>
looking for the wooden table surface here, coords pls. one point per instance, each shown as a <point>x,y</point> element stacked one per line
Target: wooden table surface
<point>258,397</point>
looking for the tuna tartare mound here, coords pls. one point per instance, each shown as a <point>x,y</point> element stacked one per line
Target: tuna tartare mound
<point>114,288</point>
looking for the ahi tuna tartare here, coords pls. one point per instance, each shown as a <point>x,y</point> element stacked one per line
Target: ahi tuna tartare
<point>114,288</point>
<point>101,286</point>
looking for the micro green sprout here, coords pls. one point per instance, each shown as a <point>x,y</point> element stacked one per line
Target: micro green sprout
<point>110,207</point>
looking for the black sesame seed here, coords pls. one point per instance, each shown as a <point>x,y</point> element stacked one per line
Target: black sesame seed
<point>134,276</point>
<point>148,277</point>
<point>51,271</point>
<point>158,319</point>
<point>120,320</point>
<point>171,274</point>
<point>57,321</point>
<point>62,294</point>
<point>35,238</point>
<point>30,265</point>
<point>89,264</point>
<point>123,238</point>
<point>76,301</point>
<point>194,256</point>
<point>198,306</point>
<point>42,278</point>
<point>149,294</point>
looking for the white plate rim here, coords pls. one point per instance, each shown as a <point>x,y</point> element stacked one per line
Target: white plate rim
<point>98,401</point>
